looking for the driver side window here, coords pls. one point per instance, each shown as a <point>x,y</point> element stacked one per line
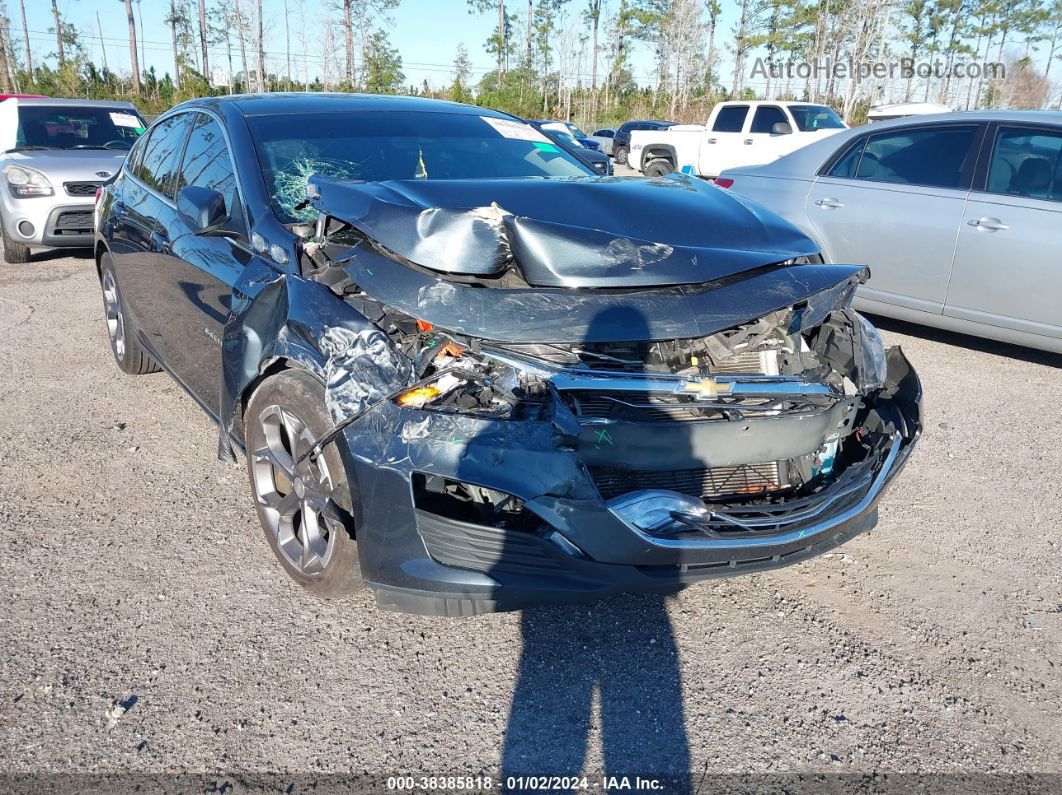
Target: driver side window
<point>207,164</point>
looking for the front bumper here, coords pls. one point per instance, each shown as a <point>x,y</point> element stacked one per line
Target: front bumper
<point>425,561</point>
<point>57,221</point>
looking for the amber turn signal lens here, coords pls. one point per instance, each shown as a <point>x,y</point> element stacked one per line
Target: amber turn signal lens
<point>423,325</point>
<point>418,397</point>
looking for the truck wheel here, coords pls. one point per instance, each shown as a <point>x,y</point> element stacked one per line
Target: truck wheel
<point>14,252</point>
<point>620,155</point>
<point>659,168</point>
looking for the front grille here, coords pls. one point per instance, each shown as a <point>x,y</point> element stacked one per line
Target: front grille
<point>668,407</point>
<point>81,188</point>
<point>74,221</point>
<point>706,483</point>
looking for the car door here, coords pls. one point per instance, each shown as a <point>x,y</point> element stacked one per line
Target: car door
<point>762,144</point>
<point>722,144</point>
<point>200,270</point>
<point>1007,270</point>
<point>894,201</point>
<point>135,247</point>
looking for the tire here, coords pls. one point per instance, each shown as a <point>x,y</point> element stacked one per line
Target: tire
<point>307,510</point>
<point>620,155</point>
<point>122,329</point>
<point>659,168</point>
<point>14,253</point>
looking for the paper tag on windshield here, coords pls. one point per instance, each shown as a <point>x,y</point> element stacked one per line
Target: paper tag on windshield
<point>515,129</point>
<point>125,120</point>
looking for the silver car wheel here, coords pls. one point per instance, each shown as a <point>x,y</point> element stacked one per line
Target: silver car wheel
<point>300,513</point>
<point>113,308</point>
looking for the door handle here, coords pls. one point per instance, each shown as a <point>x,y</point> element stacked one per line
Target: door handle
<point>987,224</point>
<point>712,140</point>
<point>829,204</point>
<point>748,141</point>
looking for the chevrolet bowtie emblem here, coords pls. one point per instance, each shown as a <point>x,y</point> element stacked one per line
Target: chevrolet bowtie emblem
<point>705,389</point>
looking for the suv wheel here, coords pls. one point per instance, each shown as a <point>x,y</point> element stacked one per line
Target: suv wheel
<point>621,155</point>
<point>121,328</point>
<point>306,507</point>
<point>14,252</point>
<point>659,168</point>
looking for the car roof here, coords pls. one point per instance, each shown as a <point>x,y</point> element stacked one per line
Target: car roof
<point>804,162</point>
<point>314,102</point>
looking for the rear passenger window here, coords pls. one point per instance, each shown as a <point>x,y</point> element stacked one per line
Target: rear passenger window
<point>766,117</point>
<point>731,118</point>
<point>846,166</point>
<point>207,164</point>
<point>1027,163</point>
<point>934,157</point>
<point>158,169</point>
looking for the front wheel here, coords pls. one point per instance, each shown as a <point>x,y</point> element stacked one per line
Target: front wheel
<point>307,507</point>
<point>15,253</point>
<point>659,168</point>
<point>620,155</point>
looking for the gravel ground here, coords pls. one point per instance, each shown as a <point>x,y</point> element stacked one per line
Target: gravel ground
<point>146,627</point>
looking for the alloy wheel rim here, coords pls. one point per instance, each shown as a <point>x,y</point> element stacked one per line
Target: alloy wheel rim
<point>301,515</point>
<point>113,309</point>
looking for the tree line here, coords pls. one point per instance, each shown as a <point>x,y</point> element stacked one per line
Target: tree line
<point>572,59</point>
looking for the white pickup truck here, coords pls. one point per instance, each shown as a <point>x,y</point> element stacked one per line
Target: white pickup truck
<point>736,134</point>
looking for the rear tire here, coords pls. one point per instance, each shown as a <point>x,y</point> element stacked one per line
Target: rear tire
<point>659,168</point>
<point>308,509</point>
<point>121,327</point>
<point>620,155</point>
<point>15,253</point>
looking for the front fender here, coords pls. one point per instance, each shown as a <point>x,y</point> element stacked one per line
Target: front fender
<point>283,316</point>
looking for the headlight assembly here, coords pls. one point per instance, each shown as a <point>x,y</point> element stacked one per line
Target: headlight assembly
<point>24,182</point>
<point>872,364</point>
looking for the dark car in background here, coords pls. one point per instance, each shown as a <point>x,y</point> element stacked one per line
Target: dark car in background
<point>450,390</point>
<point>621,142</point>
<point>558,133</point>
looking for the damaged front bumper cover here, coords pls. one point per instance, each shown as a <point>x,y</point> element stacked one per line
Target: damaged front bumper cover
<point>566,542</point>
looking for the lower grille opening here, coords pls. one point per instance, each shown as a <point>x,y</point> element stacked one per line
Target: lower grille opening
<point>75,222</point>
<point>710,483</point>
<point>467,502</point>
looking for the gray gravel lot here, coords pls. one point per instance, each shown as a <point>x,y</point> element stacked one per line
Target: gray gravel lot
<point>133,572</point>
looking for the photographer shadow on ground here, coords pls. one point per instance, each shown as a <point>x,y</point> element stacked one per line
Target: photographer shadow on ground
<point>616,659</point>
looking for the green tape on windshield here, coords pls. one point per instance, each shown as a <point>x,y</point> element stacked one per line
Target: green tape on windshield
<point>139,130</point>
<point>544,147</point>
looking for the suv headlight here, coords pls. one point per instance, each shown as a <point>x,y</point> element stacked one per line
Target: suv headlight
<point>25,182</point>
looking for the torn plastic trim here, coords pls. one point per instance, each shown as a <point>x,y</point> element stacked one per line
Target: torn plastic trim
<point>888,468</point>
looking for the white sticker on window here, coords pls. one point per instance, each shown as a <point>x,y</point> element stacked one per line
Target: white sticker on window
<point>515,129</point>
<point>126,120</point>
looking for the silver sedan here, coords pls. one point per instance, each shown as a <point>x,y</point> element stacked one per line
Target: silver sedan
<point>957,215</point>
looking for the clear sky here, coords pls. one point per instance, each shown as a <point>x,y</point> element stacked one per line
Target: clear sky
<point>426,33</point>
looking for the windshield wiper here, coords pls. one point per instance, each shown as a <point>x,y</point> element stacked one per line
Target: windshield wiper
<point>29,148</point>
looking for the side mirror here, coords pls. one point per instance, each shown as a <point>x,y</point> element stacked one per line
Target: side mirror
<point>203,208</point>
<point>781,128</point>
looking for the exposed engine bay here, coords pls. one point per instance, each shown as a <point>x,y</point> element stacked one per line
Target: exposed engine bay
<point>706,434</point>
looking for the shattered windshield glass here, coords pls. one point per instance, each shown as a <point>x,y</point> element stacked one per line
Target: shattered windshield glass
<point>396,145</point>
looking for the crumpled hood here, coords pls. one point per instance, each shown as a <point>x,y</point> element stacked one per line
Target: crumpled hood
<point>567,232</point>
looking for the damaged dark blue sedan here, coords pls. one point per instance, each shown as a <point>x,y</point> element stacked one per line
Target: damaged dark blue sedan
<point>474,375</point>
